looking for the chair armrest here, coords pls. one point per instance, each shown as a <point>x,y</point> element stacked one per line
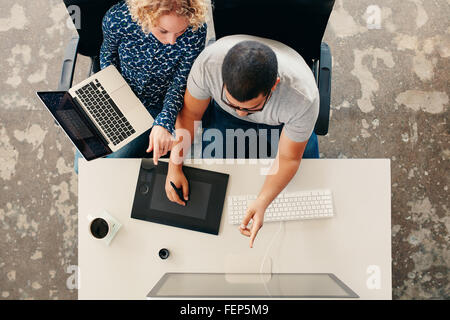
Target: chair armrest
<point>324,84</point>
<point>95,65</point>
<point>68,66</point>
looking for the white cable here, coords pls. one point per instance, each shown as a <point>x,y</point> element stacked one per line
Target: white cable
<point>265,256</point>
<point>270,244</point>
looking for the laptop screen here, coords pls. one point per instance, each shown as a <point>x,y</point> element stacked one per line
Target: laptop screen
<point>276,285</point>
<point>76,126</point>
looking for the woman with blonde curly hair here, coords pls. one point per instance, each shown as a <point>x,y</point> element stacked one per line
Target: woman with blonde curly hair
<point>153,44</point>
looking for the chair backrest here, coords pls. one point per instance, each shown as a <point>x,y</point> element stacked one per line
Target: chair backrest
<point>300,24</point>
<point>89,15</point>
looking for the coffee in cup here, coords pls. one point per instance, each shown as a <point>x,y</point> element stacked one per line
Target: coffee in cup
<point>99,228</point>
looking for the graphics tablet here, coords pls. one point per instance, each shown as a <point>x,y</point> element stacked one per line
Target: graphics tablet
<point>203,210</point>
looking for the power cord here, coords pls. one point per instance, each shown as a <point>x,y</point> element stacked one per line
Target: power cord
<point>265,257</point>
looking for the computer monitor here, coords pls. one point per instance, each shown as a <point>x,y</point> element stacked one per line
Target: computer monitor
<point>275,285</point>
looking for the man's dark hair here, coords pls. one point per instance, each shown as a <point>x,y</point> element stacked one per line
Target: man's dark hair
<point>249,69</point>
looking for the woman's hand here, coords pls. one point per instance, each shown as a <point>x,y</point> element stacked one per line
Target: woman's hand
<point>160,141</point>
<point>255,212</point>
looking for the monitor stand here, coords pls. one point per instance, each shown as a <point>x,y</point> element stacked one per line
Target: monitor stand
<point>246,268</point>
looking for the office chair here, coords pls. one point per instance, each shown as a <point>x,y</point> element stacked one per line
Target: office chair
<point>89,38</point>
<point>299,24</point>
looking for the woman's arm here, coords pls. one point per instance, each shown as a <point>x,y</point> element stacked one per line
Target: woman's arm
<point>173,100</point>
<point>109,49</point>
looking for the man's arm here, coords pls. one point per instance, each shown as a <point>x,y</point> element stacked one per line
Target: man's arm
<point>289,156</point>
<point>193,110</point>
<point>284,168</point>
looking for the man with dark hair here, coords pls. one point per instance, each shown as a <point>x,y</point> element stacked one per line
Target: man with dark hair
<point>255,84</point>
<point>250,68</point>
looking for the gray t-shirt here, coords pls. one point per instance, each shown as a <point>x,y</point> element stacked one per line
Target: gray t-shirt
<point>294,102</point>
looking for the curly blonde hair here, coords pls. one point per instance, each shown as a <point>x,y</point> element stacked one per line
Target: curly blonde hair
<point>147,12</point>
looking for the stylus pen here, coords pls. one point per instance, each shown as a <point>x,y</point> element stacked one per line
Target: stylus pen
<point>179,191</point>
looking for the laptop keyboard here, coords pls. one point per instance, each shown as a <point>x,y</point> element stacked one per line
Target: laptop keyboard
<point>105,112</point>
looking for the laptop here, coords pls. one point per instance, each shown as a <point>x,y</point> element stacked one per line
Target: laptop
<point>100,115</point>
<point>250,286</point>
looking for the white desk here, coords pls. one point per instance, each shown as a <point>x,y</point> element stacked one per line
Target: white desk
<point>359,236</point>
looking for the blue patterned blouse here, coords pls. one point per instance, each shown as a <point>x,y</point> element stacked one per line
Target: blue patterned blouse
<point>156,72</point>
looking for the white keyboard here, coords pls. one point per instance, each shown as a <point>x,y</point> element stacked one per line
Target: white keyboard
<point>314,204</point>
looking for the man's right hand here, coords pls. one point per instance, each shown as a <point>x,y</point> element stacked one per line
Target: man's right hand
<point>176,175</point>
<point>193,110</point>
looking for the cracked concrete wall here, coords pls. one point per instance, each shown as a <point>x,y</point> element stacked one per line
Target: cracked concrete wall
<point>390,99</point>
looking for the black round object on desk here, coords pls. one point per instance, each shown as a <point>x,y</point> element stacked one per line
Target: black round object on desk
<point>164,253</point>
<point>99,228</point>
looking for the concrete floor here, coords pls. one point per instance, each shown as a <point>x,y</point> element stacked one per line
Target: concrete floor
<point>390,99</point>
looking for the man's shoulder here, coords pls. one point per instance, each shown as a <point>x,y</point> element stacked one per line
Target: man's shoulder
<point>210,58</point>
<point>298,81</point>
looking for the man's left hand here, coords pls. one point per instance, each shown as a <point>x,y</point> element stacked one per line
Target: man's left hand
<point>255,212</point>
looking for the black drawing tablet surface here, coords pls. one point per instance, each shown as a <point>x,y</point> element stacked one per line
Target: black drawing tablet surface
<point>203,210</point>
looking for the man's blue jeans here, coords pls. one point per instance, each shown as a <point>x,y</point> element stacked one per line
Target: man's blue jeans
<point>216,118</point>
<point>265,146</point>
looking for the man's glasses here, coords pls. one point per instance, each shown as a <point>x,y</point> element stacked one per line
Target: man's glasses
<point>224,100</point>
